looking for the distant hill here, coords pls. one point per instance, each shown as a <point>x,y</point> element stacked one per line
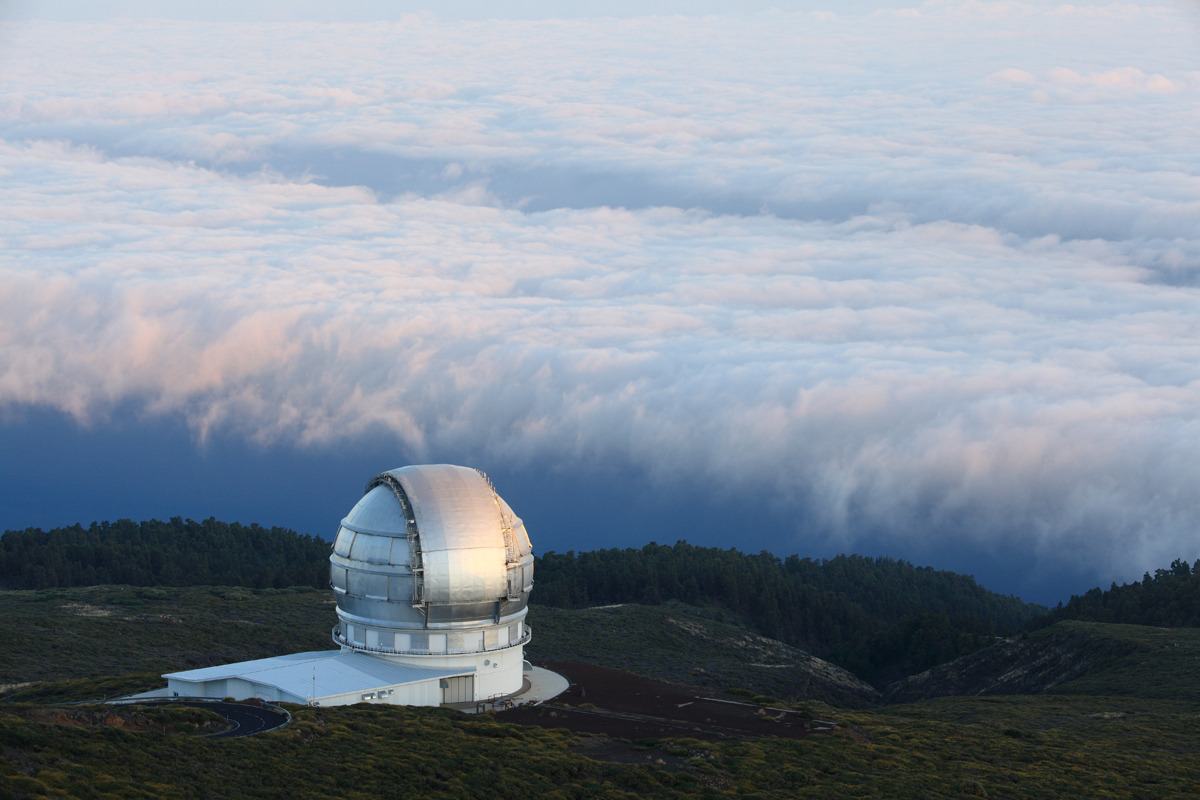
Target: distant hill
<point>153,553</point>
<point>1169,597</point>
<point>1070,657</point>
<point>880,618</point>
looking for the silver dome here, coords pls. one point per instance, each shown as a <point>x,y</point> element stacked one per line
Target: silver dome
<point>430,547</point>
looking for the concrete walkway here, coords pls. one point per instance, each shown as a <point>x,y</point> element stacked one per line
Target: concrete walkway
<point>539,686</point>
<point>543,685</point>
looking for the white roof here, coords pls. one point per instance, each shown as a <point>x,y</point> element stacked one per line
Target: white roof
<point>333,672</point>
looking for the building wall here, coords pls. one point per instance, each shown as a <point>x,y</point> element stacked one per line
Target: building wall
<point>240,689</point>
<point>236,688</point>
<point>419,693</point>
<point>181,688</point>
<point>497,672</point>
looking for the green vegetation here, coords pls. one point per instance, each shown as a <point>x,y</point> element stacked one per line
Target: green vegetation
<point>73,635</point>
<point>878,617</point>
<point>176,553</point>
<point>1149,662</point>
<point>684,644</point>
<point>1070,657</point>
<point>57,634</point>
<point>1040,747</point>
<point>1170,597</point>
<point>1033,747</point>
<point>1127,727</point>
<point>349,752</point>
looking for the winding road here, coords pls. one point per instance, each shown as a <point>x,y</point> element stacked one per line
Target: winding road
<point>247,720</point>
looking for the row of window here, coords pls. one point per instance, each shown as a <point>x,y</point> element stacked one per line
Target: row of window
<point>448,642</point>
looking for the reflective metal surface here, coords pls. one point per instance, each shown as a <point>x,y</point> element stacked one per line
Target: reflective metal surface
<point>430,547</point>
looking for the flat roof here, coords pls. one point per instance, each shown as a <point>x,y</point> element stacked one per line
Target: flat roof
<point>321,673</point>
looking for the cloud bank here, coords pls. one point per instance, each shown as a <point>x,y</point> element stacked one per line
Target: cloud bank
<point>930,276</point>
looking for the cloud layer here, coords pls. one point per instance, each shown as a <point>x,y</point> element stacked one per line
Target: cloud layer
<point>928,275</point>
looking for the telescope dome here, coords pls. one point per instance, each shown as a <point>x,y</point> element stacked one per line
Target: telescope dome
<point>431,561</point>
<point>431,572</point>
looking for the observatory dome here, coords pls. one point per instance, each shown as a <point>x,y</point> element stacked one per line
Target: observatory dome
<point>432,563</point>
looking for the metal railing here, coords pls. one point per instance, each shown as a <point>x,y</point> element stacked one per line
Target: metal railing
<point>342,641</point>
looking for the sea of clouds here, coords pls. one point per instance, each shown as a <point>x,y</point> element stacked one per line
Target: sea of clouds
<point>929,273</point>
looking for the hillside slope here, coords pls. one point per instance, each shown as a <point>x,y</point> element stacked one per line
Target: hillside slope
<point>1069,658</point>
<point>64,634</point>
<point>1079,741</point>
<point>685,644</point>
<point>1038,748</point>
<point>57,634</point>
<point>880,618</point>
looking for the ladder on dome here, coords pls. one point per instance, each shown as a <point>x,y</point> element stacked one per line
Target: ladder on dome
<point>415,561</point>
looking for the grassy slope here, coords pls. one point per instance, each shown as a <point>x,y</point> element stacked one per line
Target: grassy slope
<point>685,644</point>
<point>1156,662</point>
<point>1045,747</point>
<point>1071,658</point>
<point>1136,744</point>
<point>57,634</point>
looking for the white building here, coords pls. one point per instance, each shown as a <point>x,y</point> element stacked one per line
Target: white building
<point>431,571</point>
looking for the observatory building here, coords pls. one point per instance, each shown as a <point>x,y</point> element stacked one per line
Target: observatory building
<point>431,571</point>
<point>431,568</point>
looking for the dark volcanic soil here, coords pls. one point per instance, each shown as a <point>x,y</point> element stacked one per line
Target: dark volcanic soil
<point>628,706</point>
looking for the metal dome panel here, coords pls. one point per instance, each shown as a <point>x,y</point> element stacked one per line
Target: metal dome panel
<point>429,556</point>
<point>461,533</point>
<point>378,512</point>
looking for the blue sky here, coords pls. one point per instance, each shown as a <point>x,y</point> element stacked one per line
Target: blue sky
<point>919,280</point>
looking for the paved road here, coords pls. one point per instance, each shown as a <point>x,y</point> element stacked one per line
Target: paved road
<point>247,720</point>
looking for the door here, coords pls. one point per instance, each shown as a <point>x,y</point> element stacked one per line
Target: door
<point>458,690</point>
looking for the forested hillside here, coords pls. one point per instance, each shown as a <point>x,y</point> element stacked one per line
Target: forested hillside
<point>175,553</point>
<point>878,617</point>
<point>1168,598</point>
